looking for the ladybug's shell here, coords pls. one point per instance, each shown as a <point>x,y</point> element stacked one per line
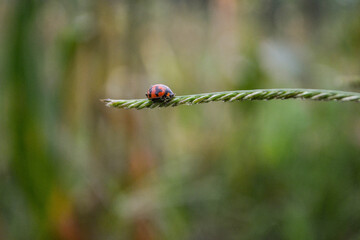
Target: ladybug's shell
<point>159,92</point>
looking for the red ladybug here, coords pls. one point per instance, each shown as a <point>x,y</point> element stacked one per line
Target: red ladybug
<point>159,93</point>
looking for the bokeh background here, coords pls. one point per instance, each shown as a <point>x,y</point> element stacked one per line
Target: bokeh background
<point>70,168</point>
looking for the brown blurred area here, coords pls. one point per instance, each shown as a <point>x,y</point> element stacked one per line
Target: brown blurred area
<point>70,168</point>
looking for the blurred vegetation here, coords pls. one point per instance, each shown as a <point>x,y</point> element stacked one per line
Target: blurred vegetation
<point>72,169</point>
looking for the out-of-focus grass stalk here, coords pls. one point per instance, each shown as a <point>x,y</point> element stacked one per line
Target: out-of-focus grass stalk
<point>31,167</point>
<point>239,95</point>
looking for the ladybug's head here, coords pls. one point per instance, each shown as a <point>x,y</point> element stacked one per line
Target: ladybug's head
<point>168,96</point>
<point>171,95</point>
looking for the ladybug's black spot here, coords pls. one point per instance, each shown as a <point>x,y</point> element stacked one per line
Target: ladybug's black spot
<point>158,90</point>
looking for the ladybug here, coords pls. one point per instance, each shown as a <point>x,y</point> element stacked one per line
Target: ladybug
<point>159,93</point>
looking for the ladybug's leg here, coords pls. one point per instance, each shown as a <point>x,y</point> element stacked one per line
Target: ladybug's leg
<point>156,100</point>
<point>165,97</point>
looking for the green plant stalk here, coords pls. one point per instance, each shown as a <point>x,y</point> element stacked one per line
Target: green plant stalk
<point>239,95</point>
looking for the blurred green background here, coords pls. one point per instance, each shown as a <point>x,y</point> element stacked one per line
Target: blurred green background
<point>70,168</point>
